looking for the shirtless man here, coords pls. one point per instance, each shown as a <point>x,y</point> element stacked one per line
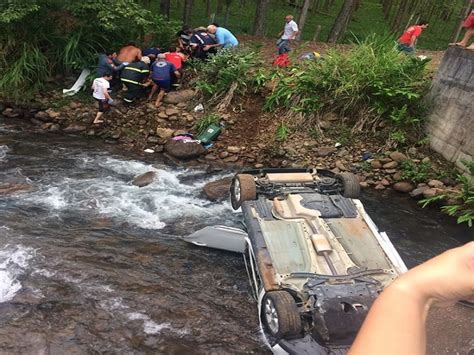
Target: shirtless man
<point>130,53</point>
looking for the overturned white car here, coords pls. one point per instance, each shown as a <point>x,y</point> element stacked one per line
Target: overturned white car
<point>315,259</point>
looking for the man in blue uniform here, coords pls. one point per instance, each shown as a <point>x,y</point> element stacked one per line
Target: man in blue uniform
<point>161,75</point>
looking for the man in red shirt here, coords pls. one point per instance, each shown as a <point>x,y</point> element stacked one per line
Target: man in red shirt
<point>407,41</point>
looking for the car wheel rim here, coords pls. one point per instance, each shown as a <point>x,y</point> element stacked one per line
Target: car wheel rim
<point>271,316</point>
<point>237,190</point>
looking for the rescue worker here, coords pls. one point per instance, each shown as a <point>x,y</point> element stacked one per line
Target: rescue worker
<point>202,44</point>
<point>135,77</point>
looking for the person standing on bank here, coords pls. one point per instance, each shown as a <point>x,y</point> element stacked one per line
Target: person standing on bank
<point>288,34</point>
<point>407,41</point>
<point>100,88</point>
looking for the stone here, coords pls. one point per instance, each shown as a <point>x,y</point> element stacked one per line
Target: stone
<point>231,159</point>
<point>325,151</point>
<point>176,97</point>
<point>435,183</point>
<point>385,160</point>
<point>53,114</point>
<point>54,128</point>
<point>10,113</point>
<point>179,132</point>
<point>331,116</point>
<point>376,164</point>
<point>181,150</point>
<point>144,179</point>
<point>223,155</point>
<point>43,116</point>
<point>75,128</point>
<point>233,149</point>
<point>325,124</point>
<point>385,182</point>
<point>258,166</point>
<point>431,192</point>
<point>162,115</point>
<point>364,184</point>
<point>390,165</point>
<point>426,160</point>
<point>151,139</point>
<point>403,186</point>
<point>391,171</point>
<point>379,187</point>
<point>218,189</point>
<point>210,157</point>
<point>340,165</point>
<point>412,151</point>
<point>398,157</point>
<point>171,111</point>
<point>418,192</point>
<point>75,105</point>
<point>164,133</point>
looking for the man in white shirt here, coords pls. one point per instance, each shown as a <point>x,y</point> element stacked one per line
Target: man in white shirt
<point>288,34</point>
<point>101,86</point>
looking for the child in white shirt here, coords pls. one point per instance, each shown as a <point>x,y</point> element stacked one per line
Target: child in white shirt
<point>100,87</point>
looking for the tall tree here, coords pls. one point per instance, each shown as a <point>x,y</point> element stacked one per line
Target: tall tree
<point>342,21</point>
<point>165,6</point>
<point>188,6</point>
<point>208,8</point>
<point>260,14</point>
<point>227,11</point>
<point>220,7</point>
<point>303,16</point>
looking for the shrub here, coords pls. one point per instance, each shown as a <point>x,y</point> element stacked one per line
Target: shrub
<point>204,122</point>
<point>371,81</point>
<point>39,38</point>
<point>416,172</point>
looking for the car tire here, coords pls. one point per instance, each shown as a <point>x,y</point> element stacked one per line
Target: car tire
<point>350,185</point>
<point>243,188</point>
<point>280,315</point>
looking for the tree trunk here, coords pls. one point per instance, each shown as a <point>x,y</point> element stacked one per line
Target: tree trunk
<point>208,8</point>
<point>303,16</point>
<point>220,7</point>
<point>387,7</point>
<point>462,15</point>
<point>165,6</point>
<point>317,33</point>
<point>260,14</point>
<point>341,22</point>
<point>188,6</point>
<point>399,16</point>
<point>227,12</point>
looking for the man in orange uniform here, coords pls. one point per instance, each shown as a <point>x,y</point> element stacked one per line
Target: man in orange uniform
<point>407,41</point>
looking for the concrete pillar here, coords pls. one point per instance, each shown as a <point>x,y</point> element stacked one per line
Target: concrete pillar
<point>451,120</point>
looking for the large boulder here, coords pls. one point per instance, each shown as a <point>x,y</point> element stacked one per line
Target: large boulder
<point>398,157</point>
<point>164,133</point>
<point>403,186</point>
<point>183,149</point>
<point>144,179</point>
<point>218,189</point>
<point>176,97</point>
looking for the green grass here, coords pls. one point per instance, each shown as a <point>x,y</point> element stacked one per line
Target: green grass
<point>367,20</point>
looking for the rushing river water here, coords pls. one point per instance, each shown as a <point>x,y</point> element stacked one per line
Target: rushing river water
<point>90,263</point>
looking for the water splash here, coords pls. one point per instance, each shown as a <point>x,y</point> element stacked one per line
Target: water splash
<point>13,263</point>
<point>3,152</point>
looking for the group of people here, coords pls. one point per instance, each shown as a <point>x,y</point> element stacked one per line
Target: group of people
<point>137,70</point>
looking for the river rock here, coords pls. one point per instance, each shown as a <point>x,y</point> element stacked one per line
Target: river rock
<point>390,165</point>
<point>233,149</point>
<point>398,157</point>
<point>223,155</point>
<point>258,166</point>
<point>435,183</point>
<point>385,182</point>
<point>340,165</point>
<point>171,111</point>
<point>53,114</point>
<point>75,128</point>
<point>144,179</point>
<point>164,133</point>
<point>431,192</point>
<point>10,113</point>
<point>176,97</point>
<point>418,192</point>
<point>162,115</point>
<point>218,189</point>
<point>412,151</point>
<point>379,187</point>
<point>426,160</point>
<point>364,184</point>
<point>403,186</point>
<point>231,159</point>
<point>181,150</point>
<point>376,164</point>
<point>325,151</point>
<point>43,116</point>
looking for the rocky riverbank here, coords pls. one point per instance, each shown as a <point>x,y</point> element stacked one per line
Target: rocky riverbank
<point>248,140</point>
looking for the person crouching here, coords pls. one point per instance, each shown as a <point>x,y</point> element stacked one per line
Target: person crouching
<point>161,75</point>
<point>100,88</point>
<point>134,77</point>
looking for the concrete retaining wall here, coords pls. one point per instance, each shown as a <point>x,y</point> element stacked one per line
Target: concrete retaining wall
<point>451,121</point>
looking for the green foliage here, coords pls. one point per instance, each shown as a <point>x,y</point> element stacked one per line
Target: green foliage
<point>372,80</point>
<point>463,208</point>
<point>416,172</point>
<point>282,132</point>
<point>229,66</point>
<point>398,137</point>
<point>204,122</point>
<point>42,37</point>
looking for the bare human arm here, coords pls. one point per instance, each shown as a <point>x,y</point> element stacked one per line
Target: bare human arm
<point>178,74</point>
<point>106,94</point>
<point>396,323</point>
